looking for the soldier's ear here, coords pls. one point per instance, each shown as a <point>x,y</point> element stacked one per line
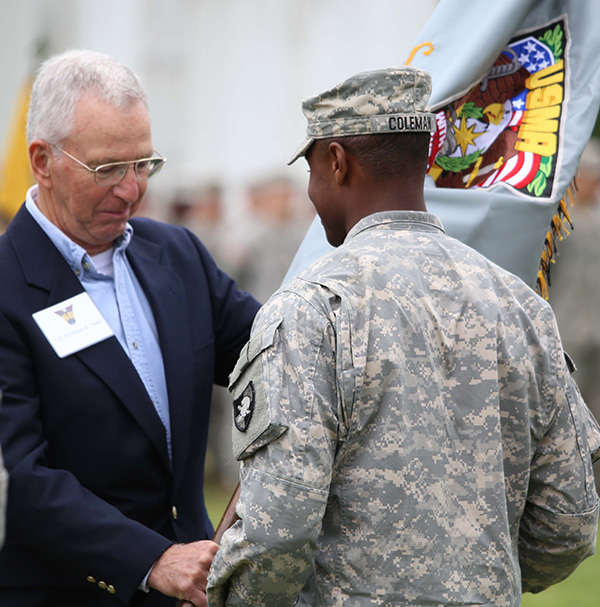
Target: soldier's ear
<point>339,162</point>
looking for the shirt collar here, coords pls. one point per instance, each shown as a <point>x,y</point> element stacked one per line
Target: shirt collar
<point>401,220</point>
<point>75,255</point>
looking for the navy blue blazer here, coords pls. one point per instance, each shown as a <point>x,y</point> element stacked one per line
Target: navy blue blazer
<point>93,498</point>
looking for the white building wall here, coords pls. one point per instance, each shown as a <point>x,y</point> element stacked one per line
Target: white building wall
<point>225,78</point>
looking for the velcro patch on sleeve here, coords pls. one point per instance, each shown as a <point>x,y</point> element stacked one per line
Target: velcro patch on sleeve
<point>256,422</point>
<point>243,408</point>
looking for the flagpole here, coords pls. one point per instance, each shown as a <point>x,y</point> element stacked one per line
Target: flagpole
<point>229,516</point>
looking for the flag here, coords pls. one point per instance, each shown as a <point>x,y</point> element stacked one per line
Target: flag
<point>16,176</point>
<point>516,91</point>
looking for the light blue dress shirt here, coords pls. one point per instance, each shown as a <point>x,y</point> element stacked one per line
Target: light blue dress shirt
<point>120,299</point>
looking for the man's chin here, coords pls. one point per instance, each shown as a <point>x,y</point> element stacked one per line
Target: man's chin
<point>107,236</point>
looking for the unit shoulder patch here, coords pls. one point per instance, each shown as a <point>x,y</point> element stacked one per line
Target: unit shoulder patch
<point>243,407</point>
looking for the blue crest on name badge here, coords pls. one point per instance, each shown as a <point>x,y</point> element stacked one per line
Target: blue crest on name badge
<point>243,408</point>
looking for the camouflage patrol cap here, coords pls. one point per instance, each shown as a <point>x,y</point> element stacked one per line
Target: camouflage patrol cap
<point>391,100</point>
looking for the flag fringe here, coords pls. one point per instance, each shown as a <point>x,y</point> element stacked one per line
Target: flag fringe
<point>558,230</point>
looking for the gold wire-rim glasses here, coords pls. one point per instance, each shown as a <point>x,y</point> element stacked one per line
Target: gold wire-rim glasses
<point>112,173</point>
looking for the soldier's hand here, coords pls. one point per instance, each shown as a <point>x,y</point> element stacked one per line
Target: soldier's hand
<point>182,569</point>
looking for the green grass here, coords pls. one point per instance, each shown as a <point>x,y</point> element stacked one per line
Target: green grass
<point>217,497</point>
<point>581,589</point>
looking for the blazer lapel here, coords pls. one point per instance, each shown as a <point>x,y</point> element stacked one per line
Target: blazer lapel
<point>106,359</point>
<point>166,295</point>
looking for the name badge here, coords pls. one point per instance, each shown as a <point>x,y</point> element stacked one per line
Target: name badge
<point>72,325</point>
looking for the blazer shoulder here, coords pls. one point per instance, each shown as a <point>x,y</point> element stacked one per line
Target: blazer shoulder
<point>173,239</point>
<point>154,230</point>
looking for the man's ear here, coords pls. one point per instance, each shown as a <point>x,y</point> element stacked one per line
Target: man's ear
<point>40,158</point>
<point>339,162</point>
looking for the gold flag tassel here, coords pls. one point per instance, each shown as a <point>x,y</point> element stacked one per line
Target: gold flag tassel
<point>557,232</point>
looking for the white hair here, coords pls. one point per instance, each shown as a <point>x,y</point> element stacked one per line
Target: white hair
<point>61,81</point>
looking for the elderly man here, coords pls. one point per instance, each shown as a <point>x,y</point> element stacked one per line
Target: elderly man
<point>112,333</point>
<point>407,424</point>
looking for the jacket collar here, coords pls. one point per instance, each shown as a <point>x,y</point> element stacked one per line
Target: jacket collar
<point>399,220</point>
<point>44,267</point>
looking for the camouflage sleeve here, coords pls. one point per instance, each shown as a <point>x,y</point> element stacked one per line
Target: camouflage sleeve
<point>285,430</point>
<point>559,525</point>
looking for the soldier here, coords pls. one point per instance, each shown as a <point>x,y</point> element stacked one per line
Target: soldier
<point>408,429</point>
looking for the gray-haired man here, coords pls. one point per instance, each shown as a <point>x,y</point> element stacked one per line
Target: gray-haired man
<point>112,332</point>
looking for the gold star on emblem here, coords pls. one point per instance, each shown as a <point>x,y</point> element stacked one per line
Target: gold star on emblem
<point>465,136</point>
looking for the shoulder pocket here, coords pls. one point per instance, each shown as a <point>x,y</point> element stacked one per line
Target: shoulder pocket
<point>256,421</point>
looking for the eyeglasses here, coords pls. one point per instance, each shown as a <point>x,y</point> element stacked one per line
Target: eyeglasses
<point>113,172</point>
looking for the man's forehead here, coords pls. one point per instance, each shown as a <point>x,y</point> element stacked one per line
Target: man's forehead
<point>95,104</point>
<point>108,133</point>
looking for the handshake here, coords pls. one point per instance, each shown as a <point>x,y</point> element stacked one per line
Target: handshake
<point>182,569</point>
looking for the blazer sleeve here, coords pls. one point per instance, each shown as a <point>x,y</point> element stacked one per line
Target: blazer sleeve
<point>233,313</point>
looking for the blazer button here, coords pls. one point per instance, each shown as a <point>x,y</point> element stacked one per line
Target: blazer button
<point>102,585</point>
<point>111,589</point>
<point>91,580</point>
<point>174,512</point>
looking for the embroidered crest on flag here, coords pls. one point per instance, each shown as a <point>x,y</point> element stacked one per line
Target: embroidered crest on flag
<point>243,408</point>
<point>506,129</point>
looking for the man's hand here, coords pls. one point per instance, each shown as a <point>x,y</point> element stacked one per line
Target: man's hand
<point>182,569</point>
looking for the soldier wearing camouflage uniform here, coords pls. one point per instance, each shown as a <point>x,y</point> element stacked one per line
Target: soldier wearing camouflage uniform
<point>408,428</point>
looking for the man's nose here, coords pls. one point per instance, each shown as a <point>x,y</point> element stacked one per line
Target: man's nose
<point>128,188</point>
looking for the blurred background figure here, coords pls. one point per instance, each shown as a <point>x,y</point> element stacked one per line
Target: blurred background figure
<point>278,219</point>
<point>575,288</point>
<point>201,210</point>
